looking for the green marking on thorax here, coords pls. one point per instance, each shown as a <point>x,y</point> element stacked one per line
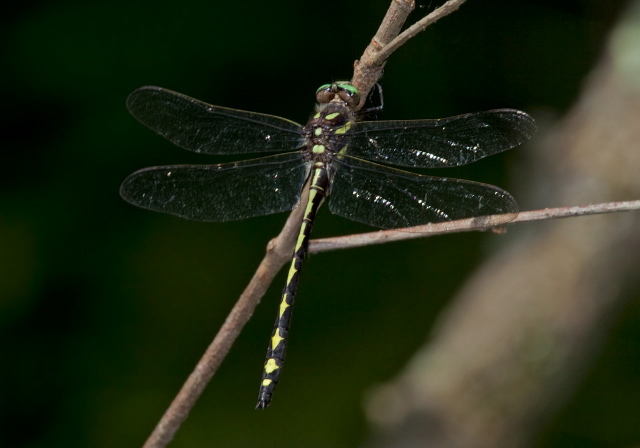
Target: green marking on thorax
<point>342,151</point>
<point>343,129</point>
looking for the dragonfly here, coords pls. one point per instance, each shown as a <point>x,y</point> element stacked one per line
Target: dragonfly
<point>343,160</point>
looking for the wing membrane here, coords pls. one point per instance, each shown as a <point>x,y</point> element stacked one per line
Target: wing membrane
<point>201,127</point>
<point>389,198</point>
<point>443,142</point>
<point>224,192</point>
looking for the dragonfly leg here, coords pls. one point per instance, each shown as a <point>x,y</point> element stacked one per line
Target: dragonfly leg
<point>373,109</point>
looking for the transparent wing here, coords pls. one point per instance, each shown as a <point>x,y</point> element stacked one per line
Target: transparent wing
<point>444,142</point>
<point>201,127</point>
<point>389,198</point>
<point>225,192</point>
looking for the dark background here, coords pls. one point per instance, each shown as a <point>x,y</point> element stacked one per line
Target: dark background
<point>105,308</point>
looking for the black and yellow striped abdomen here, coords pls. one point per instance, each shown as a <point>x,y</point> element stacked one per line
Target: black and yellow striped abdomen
<point>278,343</point>
<point>326,134</point>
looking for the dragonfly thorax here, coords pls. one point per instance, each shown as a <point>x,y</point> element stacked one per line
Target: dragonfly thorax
<point>328,131</point>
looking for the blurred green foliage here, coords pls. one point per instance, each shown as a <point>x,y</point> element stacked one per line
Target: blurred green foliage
<point>105,308</point>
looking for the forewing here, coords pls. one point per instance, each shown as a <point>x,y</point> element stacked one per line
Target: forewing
<point>444,142</point>
<point>225,192</point>
<point>389,198</point>
<point>203,128</point>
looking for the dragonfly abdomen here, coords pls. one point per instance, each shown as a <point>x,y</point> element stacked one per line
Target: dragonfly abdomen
<point>278,343</point>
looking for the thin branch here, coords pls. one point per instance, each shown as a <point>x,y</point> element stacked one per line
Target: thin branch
<point>368,70</point>
<point>418,27</point>
<point>480,223</point>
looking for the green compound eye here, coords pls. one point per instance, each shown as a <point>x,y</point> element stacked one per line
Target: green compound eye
<point>349,88</point>
<point>339,85</point>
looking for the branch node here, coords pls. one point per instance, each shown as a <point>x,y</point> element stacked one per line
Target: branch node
<point>498,230</point>
<point>272,245</point>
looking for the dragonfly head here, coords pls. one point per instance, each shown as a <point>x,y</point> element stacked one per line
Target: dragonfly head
<point>342,89</point>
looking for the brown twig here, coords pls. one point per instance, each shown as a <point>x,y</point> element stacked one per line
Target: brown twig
<point>368,70</point>
<point>418,27</point>
<point>479,223</point>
